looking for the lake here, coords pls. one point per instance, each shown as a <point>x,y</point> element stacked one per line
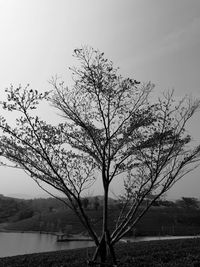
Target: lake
<point>12,244</point>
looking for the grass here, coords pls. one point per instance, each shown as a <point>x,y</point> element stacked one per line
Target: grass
<point>168,253</point>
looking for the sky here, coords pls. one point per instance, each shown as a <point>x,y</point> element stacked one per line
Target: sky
<point>149,40</point>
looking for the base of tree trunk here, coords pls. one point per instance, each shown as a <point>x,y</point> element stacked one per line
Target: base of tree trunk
<point>104,252</point>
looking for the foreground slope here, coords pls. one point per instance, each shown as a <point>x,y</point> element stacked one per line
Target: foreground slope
<point>173,253</point>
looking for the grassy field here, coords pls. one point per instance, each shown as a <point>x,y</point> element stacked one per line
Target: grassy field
<point>173,253</point>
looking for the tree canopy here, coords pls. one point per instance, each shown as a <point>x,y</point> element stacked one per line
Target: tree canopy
<point>112,129</point>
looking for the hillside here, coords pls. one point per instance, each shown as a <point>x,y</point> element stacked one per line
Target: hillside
<point>14,209</point>
<point>52,215</point>
<point>11,208</point>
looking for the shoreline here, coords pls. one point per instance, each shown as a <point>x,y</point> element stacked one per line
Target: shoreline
<point>156,238</point>
<point>62,237</point>
<point>28,232</point>
<point>173,253</point>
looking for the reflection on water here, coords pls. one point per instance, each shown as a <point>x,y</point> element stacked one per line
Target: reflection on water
<point>25,243</point>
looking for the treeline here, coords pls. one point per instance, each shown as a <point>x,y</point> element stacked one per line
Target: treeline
<point>49,214</point>
<point>181,217</point>
<point>14,209</point>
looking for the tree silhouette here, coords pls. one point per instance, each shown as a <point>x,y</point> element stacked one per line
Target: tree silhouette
<point>189,202</point>
<point>113,128</point>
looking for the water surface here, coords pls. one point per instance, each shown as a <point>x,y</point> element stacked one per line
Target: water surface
<point>12,244</point>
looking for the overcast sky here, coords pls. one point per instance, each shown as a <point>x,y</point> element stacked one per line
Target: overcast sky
<point>150,40</point>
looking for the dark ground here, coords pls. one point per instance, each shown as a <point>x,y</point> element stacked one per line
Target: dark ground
<point>173,253</point>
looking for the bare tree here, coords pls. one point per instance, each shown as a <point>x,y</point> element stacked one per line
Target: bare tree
<point>111,128</point>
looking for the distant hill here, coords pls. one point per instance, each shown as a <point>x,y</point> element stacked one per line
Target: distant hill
<point>9,208</point>
<point>13,209</point>
<point>27,196</point>
<point>20,196</point>
<point>46,214</point>
<point>100,198</point>
<point>50,214</point>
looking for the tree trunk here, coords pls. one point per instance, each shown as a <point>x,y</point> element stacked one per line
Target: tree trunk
<point>104,251</point>
<point>111,249</point>
<point>105,248</point>
<point>101,251</point>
